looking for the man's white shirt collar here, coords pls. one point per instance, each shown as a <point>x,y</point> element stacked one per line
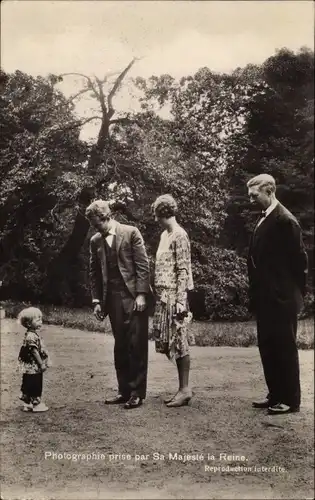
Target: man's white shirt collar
<point>112,229</point>
<point>111,233</point>
<point>268,211</point>
<point>271,207</point>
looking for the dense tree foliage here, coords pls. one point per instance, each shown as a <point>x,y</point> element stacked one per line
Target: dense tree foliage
<point>278,139</point>
<point>42,165</point>
<point>199,139</point>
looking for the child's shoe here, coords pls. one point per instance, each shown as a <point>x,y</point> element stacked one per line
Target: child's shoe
<point>27,407</point>
<point>40,408</point>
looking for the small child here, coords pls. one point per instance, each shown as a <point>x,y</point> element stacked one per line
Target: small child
<point>33,359</point>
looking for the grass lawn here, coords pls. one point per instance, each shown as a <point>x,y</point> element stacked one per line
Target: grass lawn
<point>207,333</point>
<point>219,420</point>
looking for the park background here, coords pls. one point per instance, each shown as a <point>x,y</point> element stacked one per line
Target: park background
<point>116,128</point>
<point>215,93</point>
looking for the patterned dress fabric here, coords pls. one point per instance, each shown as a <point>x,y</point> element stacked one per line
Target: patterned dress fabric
<point>173,278</point>
<point>27,362</point>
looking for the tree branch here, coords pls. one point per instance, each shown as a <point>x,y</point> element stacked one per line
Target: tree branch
<point>104,80</point>
<point>76,74</point>
<point>80,123</point>
<point>123,120</point>
<point>83,91</point>
<point>116,86</point>
<point>102,98</point>
<point>90,82</point>
<point>87,120</point>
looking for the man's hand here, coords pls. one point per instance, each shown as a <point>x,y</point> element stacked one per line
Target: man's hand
<point>98,312</point>
<point>140,302</point>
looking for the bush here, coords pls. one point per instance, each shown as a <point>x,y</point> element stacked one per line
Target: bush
<point>207,333</point>
<point>308,309</point>
<point>221,286</point>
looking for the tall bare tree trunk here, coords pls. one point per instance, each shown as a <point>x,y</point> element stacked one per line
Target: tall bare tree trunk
<point>59,267</point>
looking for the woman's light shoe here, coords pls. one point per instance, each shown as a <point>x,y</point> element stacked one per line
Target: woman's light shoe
<point>182,400</point>
<point>168,400</point>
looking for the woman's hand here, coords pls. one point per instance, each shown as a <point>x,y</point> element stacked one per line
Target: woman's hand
<point>180,308</point>
<point>181,316</point>
<point>98,312</point>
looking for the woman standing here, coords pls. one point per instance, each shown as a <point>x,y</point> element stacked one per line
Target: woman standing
<point>173,278</point>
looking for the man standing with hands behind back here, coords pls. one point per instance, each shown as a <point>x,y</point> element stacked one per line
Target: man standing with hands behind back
<point>120,283</point>
<point>277,268</point>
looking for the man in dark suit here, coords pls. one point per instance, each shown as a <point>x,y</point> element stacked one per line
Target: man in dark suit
<point>120,283</point>
<point>277,268</point>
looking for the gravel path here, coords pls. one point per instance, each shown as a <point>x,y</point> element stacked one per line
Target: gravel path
<point>171,451</point>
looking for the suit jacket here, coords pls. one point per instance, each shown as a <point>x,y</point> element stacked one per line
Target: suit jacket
<point>277,262</point>
<point>132,259</point>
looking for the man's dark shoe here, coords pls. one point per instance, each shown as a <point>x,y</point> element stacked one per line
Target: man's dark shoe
<point>116,400</point>
<point>265,403</point>
<point>133,402</point>
<point>281,409</point>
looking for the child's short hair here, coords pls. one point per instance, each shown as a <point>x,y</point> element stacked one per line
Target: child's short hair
<point>26,316</point>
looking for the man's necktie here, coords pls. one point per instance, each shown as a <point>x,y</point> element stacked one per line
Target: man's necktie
<point>262,216</point>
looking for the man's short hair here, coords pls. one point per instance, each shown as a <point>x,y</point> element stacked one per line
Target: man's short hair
<point>98,208</point>
<point>263,180</point>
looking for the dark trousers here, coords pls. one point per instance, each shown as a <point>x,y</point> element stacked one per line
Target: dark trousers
<point>277,330</point>
<point>130,330</point>
<point>32,387</point>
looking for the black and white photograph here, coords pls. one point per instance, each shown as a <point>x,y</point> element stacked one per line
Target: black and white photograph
<point>157,249</point>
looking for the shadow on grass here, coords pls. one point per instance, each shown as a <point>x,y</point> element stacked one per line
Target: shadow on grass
<point>207,333</point>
